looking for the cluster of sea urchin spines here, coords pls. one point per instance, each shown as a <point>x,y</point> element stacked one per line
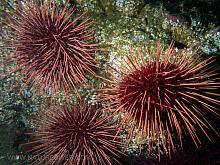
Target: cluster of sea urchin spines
<point>53,50</point>
<point>164,94</point>
<point>76,135</point>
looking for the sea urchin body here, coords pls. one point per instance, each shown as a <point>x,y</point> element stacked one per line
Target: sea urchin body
<point>75,136</point>
<point>164,94</point>
<point>51,47</point>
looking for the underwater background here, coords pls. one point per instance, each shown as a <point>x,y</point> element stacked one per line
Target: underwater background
<point>120,25</point>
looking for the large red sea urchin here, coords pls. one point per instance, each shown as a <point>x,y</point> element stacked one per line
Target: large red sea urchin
<point>164,94</point>
<point>50,46</point>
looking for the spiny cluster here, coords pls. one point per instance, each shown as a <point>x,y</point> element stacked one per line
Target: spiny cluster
<point>51,46</point>
<point>164,94</point>
<point>75,135</point>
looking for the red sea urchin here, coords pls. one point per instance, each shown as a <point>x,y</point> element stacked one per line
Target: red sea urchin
<point>51,46</point>
<point>164,94</point>
<point>75,136</point>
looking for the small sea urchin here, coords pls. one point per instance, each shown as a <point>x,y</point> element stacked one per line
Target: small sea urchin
<point>75,136</point>
<point>51,46</point>
<point>164,94</point>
